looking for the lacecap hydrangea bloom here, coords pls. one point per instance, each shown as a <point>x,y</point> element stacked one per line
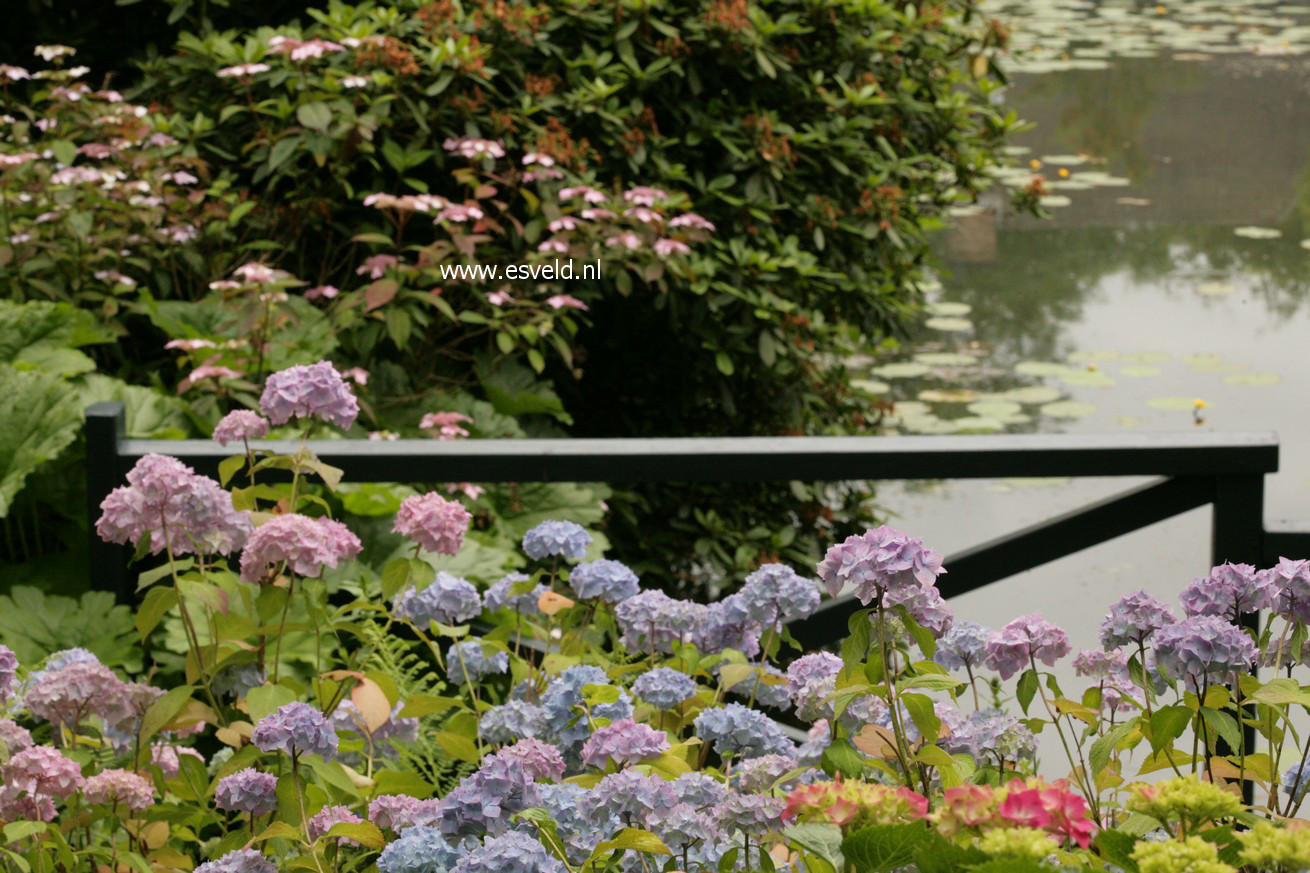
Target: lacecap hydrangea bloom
<point>1133,620</point>
<point>877,561</point>
<point>562,539</point>
<point>8,672</point>
<point>248,791</point>
<point>740,731</point>
<point>664,687</point>
<point>305,544</point>
<point>447,600</point>
<point>623,742</point>
<point>1014,647</point>
<point>501,595</point>
<point>166,502</point>
<point>239,426</point>
<point>1229,591</point>
<point>309,390</point>
<point>1204,648</point>
<point>296,728</point>
<point>1291,579</point>
<point>420,850</point>
<point>238,861</point>
<point>964,646</point>
<point>511,721</point>
<point>468,661</point>
<point>122,787</point>
<point>435,523</point>
<point>610,581</point>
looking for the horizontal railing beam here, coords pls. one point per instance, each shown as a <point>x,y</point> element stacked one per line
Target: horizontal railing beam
<point>1286,539</point>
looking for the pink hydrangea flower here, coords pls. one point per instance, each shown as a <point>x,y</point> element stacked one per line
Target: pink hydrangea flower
<point>586,192</point>
<point>15,737</point>
<point>8,671</point>
<point>168,758</point>
<point>565,301</point>
<point>567,222</point>
<point>643,214</point>
<point>240,425</point>
<point>446,424</point>
<point>327,292</point>
<point>470,147</point>
<point>628,240</point>
<point>460,214</point>
<point>69,695</point>
<point>43,770</point>
<point>692,220</point>
<point>1014,647</point>
<point>242,71</point>
<point>309,390</point>
<point>208,371</point>
<point>306,545</point>
<point>592,214</point>
<point>432,521</point>
<point>119,787</point>
<point>322,821</point>
<point>623,742</point>
<point>358,375</point>
<point>376,266</point>
<point>558,246</point>
<point>643,195</point>
<point>666,247</point>
<point>18,805</point>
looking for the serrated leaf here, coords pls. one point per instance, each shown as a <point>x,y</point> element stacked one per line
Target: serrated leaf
<point>1026,689</point>
<point>883,848</point>
<point>39,417</point>
<point>459,747</point>
<point>1102,748</point>
<point>1168,724</point>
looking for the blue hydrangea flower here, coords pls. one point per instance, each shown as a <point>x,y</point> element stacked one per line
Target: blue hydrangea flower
<point>501,595</point>
<point>562,702</point>
<point>992,734</point>
<point>562,539</point>
<point>512,721</point>
<point>448,600</point>
<point>698,790</point>
<point>683,827</point>
<point>758,775</point>
<point>295,729</point>
<point>610,581</point>
<point>664,687</point>
<point>580,835</point>
<point>724,626</point>
<point>1296,780</point>
<point>736,730</point>
<point>238,861</point>
<point>774,694</point>
<point>486,799</point>
<point>749,813</point>
<point>808,668</point>
<point>420,850</point>
<point>652,621</point>
<point>773,593</point>
<point>469,662</point>
<point>963,646</point>
<point>514,852</point>
<point>1203,648</point>
<point>633,798</point>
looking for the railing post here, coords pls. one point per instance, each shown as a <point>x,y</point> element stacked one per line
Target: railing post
<point>1237,536</point>
<point>106,425</point>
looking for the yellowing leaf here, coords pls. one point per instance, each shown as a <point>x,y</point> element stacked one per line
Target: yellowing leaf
<point>552,602</point>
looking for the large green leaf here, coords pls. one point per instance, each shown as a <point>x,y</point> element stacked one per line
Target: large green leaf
<point>34,624</point>
<point>33,329</point>
<point>884,847</point>
<point>514,390</point>
<point>150,414</point>
<point>39,417</point>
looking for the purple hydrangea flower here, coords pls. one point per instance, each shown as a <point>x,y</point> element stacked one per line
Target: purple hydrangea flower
<point>773,593</point>
<point>318,824</point>
<point>811,699</point>
<point>736,730</point>
<point>992,734</point>
<point>42,770</point>
<point>653,621</point>
<point>771,690</point>
<point>749,813</point>
<point>878,561</point>
<point>248,791</point>
<point>122,787</point>
<point>432,521</point>
<point>1094,664</point>
<point>623,742</point>
<point>810,668</point>
<point>309,390</point>
<point>963,646</point>
<point>14,736</point>
<point>69,695</point>
<point>167,502</point>
<point>486,799</point>
<point>722,625</point>
<point>562,539</point>
<point>420,850</point>
<point>238,861</point>
<point>512,720</point>
<point>1291,579</point>
<point>580,836</point>
<point>925,605</point>
<point>448,600</point>
<point>684,827</point>
<point>562,703</point>
<point>540,759</point>
<point>1133,620</point>
<point>306,545</point>
<point>500,595</point>
<point>758,775</point>
<point>1203,648</point>
<point>1295,781</point>
<point>633,798</point>
<point>514,852</point>
<point>664,687</point>
<point>699,791</point>
<point>1229,591</point>
<point>610,581</point>
<point>240,426</point>
<point>8,672</point>
<point>295,729</point>
<point>469,662</point>
<point>397,812</point>
<point>1030,637</point>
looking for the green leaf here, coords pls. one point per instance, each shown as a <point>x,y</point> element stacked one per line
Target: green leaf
<point>39,417</point>
<point>930,682</point>
<point>922,714</point>
<point>282,150</point>
<point>1281,691</point>
<point>402,782</point>
<point>823,840</point>
<point>164,710</point>
<point>884,847</point>
<point>1168,724</point>
<point>1026,689</point>
<point>723,361</point>
<point>150,414</point>
<point>363,832</point>
<point>1117,848</point>
<point>266,698</point>
<point>315,116</point>
<point>1099,755</point>
<point>922,636</point>
<point>1224,725</point>
<point>21,830</point>
<point>514,390</point>
<point>841,757</point>
<point>228,467</point>
<point>34,624</point>
<point>158,601</point>
<point>459,747</point>
<point>634,839</point>
<point>279,830</point>
<point>395,576</point>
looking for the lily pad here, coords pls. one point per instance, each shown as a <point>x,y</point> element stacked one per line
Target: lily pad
<point>1066,160</point>
<point>870,386</point>
<point>1172,403</point>
<point>927,424</point>
<point>949,323</point>
<point>976,424</point>
<point>1055,201</point>
<point>1252,379</point>
<point>1215,289</point>
<point>1212,363</point>
<point>995,408</point>
<point>901,370</point>
<point>1068,409</point>
<point>1041,368</point>
<point>1139,371</point>
<point>1253,232</point>
<point>947,307</point>
<point>1089,378</point>
<point>1034,394</point>
<point>910,408</point>
<point>948,395</point>
<point>1305,243</point>
<point>1148,358</point>
<point>945,359</point>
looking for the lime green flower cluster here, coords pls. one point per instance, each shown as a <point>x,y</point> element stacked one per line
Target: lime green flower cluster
<point>1192,855</point>
<point>1031,844</point>
<point>1269,847</point>
<point>1188,801</point>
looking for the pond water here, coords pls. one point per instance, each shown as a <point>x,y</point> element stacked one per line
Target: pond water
<point>1168,290</point>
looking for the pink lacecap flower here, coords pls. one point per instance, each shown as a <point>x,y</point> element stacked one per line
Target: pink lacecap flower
<point>240,425</point>
<point>46,124</point>
<point>180,233</point>
<point>643,214</point>
<point>558,246</point>
<point>643,195</point>
<point>538,158</point>
<point>383,436</point>
<point>96,150</point>
<point>468,489</point>
<point>115,277</point>
<point>447,424</point>
<point>208,371</point>
<point>306,545</point>
<point>190,345</point>
<point>309,390</point>
<point>256,273</point>
<point>52,52</point>
<point>376,266</point>
<point>562,301</point>
<point>666,247</point>
<point>597,214</point>
<point>588,194</point>
<point>110,96</point>
<point>355,81</point>
<point>470,147</point>
<point>182,177</point>
<point>17,160</point>
<point>161,140</point>
<point>432,521</point>
<point>327,292</point>
<point>628,240</point>
<point>242,71</point>
<point>567,222</point>
<point>499,298</point>
<point>358,375</point>
<point>543,173</point>
<point>314,48</point>
<point>455,212</point>
<point>224,285</point>
<point>10,73</point>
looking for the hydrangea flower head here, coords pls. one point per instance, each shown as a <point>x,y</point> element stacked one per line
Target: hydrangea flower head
<point>248,791</point>
<point>122,787</point>
<point>18,805</point>
<point>963,646</point>
<point>238,861</point>
<point>14,736</point>
<point>1229,591</point>
<point>1012,649</point>
<point>610,581</point>
<point>563,699</point>
<point>318,824</point>
<point>1184,797</point>
<point>815,666</point>
<point>774,593</point>
<point>42,770</point>
<point>853,803</point>
<point>992,735</point>
<point>448,600</point>
<point>501,595</point>
<point>309,390</point>
<point>1296,780</point>
<point>562,539</point>
<point>758,775</point>
<point>877,561</point>
<point>305,544</point>
<point>420,850</point>
<point>511,721</point>
<point>1267,847</point>
<point>623,742</point>
<point>741,731</point>
<point>166,502</point>
<point>1102,665</point>
<point>486,799</point>
<point>1291,579</point>
<point>514,852</point>
<point>925,605</point>
<point>541,760</point>
<point>771,690</point>
<point>296,728</point>
<point>240,426</point>
<point>1133,619</point>
<point>698,790</point>
<point>630,797</point>
<point>1193,855</point>
<point>432,521</point>
<point>664,687</point>
<point>468,662</point>
<point>1204,648</point>
<point>654,621</point>
<point>749,813</point>
<point>71,694</point>
<point>8,672</point>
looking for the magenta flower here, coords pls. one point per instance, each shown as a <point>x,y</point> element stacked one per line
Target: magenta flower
<point>691,220</point>
<point>239,426</point>
<point>120,787</point>
<point>667,247</point>
<point>15,737</point>
<point>327,292</point>
<point>643,195</point>
<point>306,545</point>
<point>1023,640</point>
<point>432,521</point>
<point>169,758</point>
<point>376,266</point>
<point>307,390</point>
<point>541,759</point>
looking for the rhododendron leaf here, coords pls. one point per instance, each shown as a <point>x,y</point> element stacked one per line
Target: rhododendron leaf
<point>1026,689</point>
<point>883,848</point>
